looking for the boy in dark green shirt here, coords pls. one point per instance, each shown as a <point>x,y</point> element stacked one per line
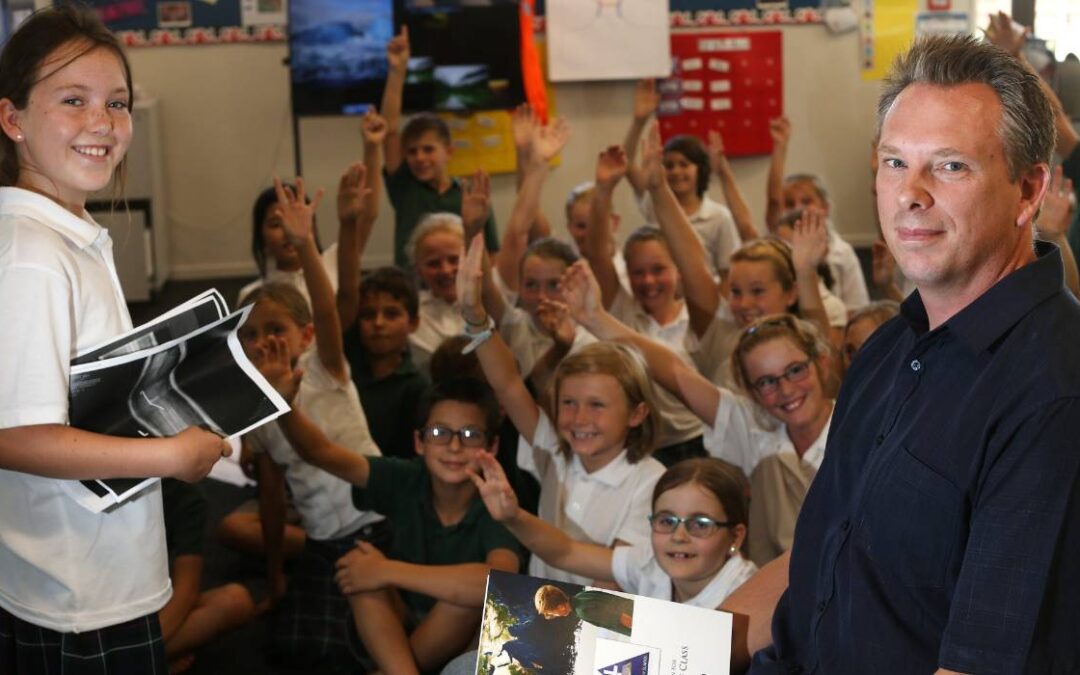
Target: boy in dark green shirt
<point>419,608</point>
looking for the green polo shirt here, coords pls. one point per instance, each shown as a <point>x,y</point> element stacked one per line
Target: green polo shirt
<point>603,609</point>
<point>401,490</point>
<point>412,200</point>
<point>391,403</point>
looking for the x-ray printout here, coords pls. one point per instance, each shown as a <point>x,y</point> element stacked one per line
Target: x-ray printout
<point>607,39</point>
<point>202,379</point>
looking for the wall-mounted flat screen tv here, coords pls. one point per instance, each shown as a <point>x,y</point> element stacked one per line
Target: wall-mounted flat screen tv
<point>465,54</point>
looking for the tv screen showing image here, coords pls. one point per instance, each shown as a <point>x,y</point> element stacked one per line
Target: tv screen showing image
<point>465,54</point>
<point>337,54</point>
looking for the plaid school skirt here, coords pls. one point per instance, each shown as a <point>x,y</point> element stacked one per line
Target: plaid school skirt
<point>312,627</point>
<point>131,648</point>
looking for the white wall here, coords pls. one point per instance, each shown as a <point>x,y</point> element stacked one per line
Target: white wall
<point>227,131</point>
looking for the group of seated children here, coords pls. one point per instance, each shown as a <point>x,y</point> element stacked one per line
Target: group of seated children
<point>669,399</point>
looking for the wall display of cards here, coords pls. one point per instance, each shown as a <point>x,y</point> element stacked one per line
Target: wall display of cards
<point>728,81</point>
<point>153,23</point>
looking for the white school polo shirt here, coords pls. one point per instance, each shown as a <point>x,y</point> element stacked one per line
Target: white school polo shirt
<point>677,422</point>
<point>612,503</point>
<point>714,226</point>
<point>528,343</point>
<point>323,500</point>
<point>741,434</point>
<point>439,320</point>
<point>61,566</point>
<point>849,282</point>
<point>636,570</point>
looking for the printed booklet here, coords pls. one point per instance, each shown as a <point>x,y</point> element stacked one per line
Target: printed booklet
<point>184,368</point>
<point>535,626</point>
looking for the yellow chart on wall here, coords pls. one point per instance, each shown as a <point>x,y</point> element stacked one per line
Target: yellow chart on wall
<point>886,29</point>
<point>484,140</point>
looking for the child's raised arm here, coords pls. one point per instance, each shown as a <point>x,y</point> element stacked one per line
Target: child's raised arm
<point>809,245</point>
<point>740,210</point>
<point>544,143</point>
<point>611,166</point>
<point>306,439</point>
<point>495,358</point>
<point>358,207</point>
<point>702,294</point>
<point>522,123</point>
<point>780,129</point>
<point>671,372</point>
<point>397,56</point>
<point>646,99</point>
<point>542,538</point>
<point>298,217</point>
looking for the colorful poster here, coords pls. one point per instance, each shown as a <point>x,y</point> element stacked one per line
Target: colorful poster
<point>607,39</point>
<point>534,626</point>
<point>728,81</point>
<point>887,28</point>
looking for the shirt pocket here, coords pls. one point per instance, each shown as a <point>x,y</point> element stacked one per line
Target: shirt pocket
<point>910,523</point>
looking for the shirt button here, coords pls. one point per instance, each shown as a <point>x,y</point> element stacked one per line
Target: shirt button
<point>821,606</point>
<point>845,525</point>
<point>916,365</point>
<point>880,439</point>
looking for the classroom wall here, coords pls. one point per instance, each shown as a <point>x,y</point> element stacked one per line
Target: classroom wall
<point>227,130</point>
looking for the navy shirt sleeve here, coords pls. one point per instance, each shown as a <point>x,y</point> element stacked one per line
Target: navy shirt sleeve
<point>1017,521</point>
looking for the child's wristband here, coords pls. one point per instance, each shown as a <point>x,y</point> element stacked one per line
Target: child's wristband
<point>479,338</point>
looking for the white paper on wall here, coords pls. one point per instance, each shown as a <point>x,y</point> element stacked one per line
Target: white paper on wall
<point>607,39</point>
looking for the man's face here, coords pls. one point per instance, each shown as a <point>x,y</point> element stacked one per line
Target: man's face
<point>950,214</point>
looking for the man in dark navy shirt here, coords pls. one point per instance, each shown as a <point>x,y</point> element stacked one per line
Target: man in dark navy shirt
<point>942,532</point>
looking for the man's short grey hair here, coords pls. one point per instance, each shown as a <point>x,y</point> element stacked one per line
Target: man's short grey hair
<point>433,222</point>
<point>1027,119</point>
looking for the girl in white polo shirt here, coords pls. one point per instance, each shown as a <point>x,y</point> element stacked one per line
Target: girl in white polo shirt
<point>698,522</point>
<point>79,591</point>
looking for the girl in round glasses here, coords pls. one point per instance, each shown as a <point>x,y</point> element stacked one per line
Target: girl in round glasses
<point>779,364</point>
<point>698,523</point>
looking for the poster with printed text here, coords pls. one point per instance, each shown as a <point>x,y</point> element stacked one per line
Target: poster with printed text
<point>726,81</point>
<point>607,39</point>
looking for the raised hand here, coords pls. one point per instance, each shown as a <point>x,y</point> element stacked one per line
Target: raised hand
<point>1058,207</point>
<point>297,214</point>
<point>373,126</point>
<point>397,50</point>
<point>716,150</point>
<point>1006,35</point>
<point>352,189</point>
<point>273,361</point>
<point>810,240</point>
<point>194,452</point>
<point>646,99</point>
<point>780,130</point>
<point>523,124</point>
<point>652,158</point>
<point>359,569</point>
<point>470,283</point>
<point>555,321</point>
<point>581,291</point>
<point>476,203</point>
<point>494,488</point>
<point>548,140</point>
<point>611,166</point>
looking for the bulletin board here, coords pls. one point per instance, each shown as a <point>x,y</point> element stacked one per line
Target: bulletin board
<point>147,23</point>
<point>718,13</point>
<point>730,81</point>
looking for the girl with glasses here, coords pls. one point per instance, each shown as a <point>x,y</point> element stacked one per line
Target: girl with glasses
<point>774,429</point>
<point>698,525</point>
